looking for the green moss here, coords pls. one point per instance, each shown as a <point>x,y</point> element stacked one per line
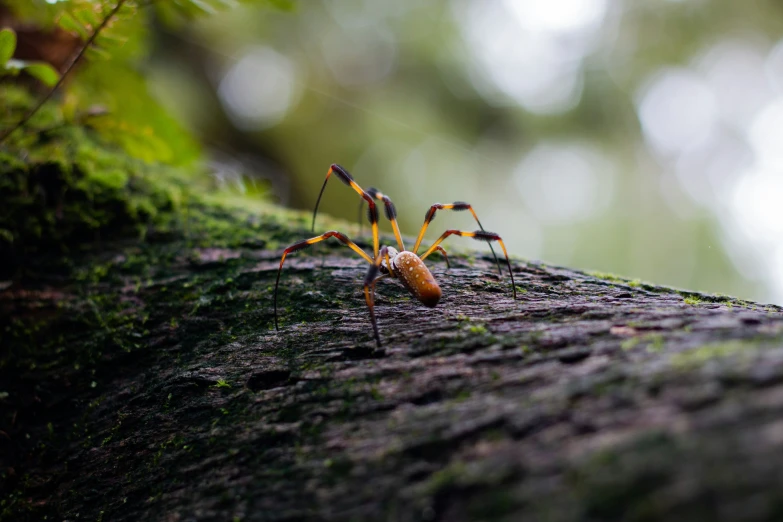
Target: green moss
<point>64,189</point>
<point>445,478</point>
<point>608,277</point>
<point>656,342</point>
<point>633,283</point>
<point>696,357</point>
<point>630,344</point>
<point>694,298</point>
<point>478,329</point>
<point>611,488</point>
<point>110,179</point>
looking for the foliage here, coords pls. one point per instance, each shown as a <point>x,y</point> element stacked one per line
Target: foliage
<point>11,67</point>
<point>65,188</point>
<point>101,161</point>
<point>116,34</point>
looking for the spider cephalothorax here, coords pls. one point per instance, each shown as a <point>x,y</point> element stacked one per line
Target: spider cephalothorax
<point>407,266</point>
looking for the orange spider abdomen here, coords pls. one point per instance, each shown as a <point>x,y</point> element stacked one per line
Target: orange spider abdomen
<point>417,278</point>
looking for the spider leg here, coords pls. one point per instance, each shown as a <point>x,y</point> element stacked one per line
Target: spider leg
<point>456,206</point>
<point>444,254</point>
<point>304,244</point>
<point>481,235</point>
<point>391,213</point>
<point>372,211</point>
<point>372,191</point>
<point>372,289</point>
<point>369,288</point>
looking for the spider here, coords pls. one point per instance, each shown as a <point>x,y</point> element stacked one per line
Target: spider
<point>401,264</point>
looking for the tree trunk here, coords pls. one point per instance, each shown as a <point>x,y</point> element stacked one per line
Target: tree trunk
<point>151,385</point>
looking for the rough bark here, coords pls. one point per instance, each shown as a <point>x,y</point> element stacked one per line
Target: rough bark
<point>152,386</point>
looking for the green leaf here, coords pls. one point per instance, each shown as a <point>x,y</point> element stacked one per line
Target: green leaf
<point>109,39</point>
<point>44,72</point>
<point>7,45</point>
<point>96,52</point>
<point>71,24</point>
<point>87,17</point>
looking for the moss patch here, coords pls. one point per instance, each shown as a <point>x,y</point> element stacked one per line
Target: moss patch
<point>63,190</point>
<point>696,357</point>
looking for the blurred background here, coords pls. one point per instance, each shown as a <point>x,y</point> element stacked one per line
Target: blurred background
<point>639,137</point>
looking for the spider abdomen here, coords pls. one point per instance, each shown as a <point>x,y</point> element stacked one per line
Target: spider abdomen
<point>417,278</point>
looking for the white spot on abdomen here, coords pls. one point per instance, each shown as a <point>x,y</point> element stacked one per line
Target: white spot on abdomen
<point>417,279</point>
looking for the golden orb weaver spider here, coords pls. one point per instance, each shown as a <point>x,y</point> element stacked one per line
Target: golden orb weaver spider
<point>407,266</point>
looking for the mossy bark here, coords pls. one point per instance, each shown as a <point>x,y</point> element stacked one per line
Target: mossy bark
<point>147,382</point>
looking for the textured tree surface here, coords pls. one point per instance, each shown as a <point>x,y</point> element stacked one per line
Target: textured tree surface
<point>149,384</point>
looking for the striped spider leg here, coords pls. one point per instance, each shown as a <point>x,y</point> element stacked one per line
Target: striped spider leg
<point>304,244</point>
<point>480,235</point>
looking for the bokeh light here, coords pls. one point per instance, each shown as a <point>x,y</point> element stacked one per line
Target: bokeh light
<point>678,111</point>
<point>564,183</point>
<point>258,90</point>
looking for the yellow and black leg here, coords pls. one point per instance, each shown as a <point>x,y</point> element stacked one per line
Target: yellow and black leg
<point>444,254</point>
<point>304,244</point>
<point>369,287</point>
<point>391,213</point>
<point>480,235</point>
<point>372,211</point>
<point>373,192</point>
<point>457,206</point>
